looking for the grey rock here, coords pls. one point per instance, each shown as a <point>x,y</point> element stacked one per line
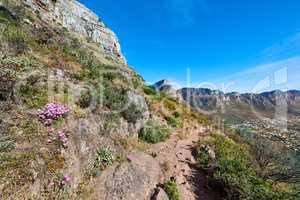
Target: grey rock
<point>139,101</point>
<point>78,19</point>
<point>161,195</point>
<point>166,87</point>
<point>130,180</point>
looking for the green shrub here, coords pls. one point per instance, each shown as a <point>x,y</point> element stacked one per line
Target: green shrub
<point>6,144</point>
<point>19,63</point>
<point>137,81</point>
<point>5,16</point>
<point>104,157</point>
<point>171,189</point>
<point>33,95</point>
<point>115,98</point>
<point>170,104</point>
<point>203,156</point>
<point>132,113</point>
<point>16,38</point>
<point>83,74</point>
<point>43,36</point>
<point>235,170</point>
<point>111,122</point>
<point>176,114</point>
<point>153,133</point>
<point>85,99</point>
<point>172,121</point>
<point>148,90</point>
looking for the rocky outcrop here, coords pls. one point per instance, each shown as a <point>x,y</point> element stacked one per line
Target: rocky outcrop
<point>161,195</point>
<point>166,87</point>
<point>78,19</point>
<point>134,179</point>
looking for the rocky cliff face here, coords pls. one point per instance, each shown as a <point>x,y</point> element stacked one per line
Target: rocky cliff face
<point>79,19</point>
<point>218,101</point>
<point>166,87</point>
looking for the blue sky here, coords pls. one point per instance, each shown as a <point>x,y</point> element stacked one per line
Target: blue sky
<point>232,42</point>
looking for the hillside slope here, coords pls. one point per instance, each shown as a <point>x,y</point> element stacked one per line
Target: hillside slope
<point>72,112</point>
<point>76,122</point>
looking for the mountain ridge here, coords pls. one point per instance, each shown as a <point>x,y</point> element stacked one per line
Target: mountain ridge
<point>212,100</point>
<point>160,84</point>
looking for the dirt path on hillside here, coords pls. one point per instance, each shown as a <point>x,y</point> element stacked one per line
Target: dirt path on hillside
<point>176,159</point>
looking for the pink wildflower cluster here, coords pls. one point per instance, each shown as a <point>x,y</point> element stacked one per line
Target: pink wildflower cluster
<point>52,111</point>
<point>66,179</point>
<point>61,136</point>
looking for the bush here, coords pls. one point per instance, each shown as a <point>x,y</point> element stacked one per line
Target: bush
<point>6,144</point>
<point>235,171</point>
<point>148,90</point>
<point>104,157</point>
<point>115,98</point>
<point>176,114</point>
<point>43,36</point>
<point>85,99</point>
<point>33,95</point>
<point>16,38</point>
<point>111,123</point>
<point>203,156</point>
<point>19,63</point>
<point>137,81</point>
<point>31,128</point>
<point>5,15</point>
<point>172,121</point>
<point>171,189</point>
<point>132,113</point>
<point>153,133</point>
<point>170,104</point>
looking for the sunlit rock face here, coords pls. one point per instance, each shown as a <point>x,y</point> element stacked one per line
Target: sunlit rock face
<point>78,19</point>
<point>165,86</point>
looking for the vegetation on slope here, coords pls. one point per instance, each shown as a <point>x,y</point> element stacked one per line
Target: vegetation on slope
<point>33,50</point>
<point>153,133</point>
<point>171,189</point>
<point>234,170</point>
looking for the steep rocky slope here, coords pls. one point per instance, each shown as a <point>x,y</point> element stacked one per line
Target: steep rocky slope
<point>77,18</point>
<point>75,121</point>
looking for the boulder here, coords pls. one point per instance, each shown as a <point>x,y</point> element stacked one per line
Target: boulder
<point>161,195</point>
<point>134,179</point>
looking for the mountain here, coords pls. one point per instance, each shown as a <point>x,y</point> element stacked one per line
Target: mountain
<point>234,104</point>
<point>166,87</point>
<point>76,122</point>
<point>77,19</point>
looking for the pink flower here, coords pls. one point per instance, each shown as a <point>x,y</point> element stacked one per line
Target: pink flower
<point>52,111</point>
<point>63,138</point>
<point>129,158</point>
<point>66,179</point>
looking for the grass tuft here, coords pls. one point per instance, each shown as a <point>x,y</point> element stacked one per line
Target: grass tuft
<point>153,133</point>
<point>171,189</point>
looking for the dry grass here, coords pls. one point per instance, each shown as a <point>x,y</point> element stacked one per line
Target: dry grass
<point>129,144</point>
<point>165,167</point>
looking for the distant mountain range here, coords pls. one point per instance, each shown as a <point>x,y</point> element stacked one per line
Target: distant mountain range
<point>245,105</point>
